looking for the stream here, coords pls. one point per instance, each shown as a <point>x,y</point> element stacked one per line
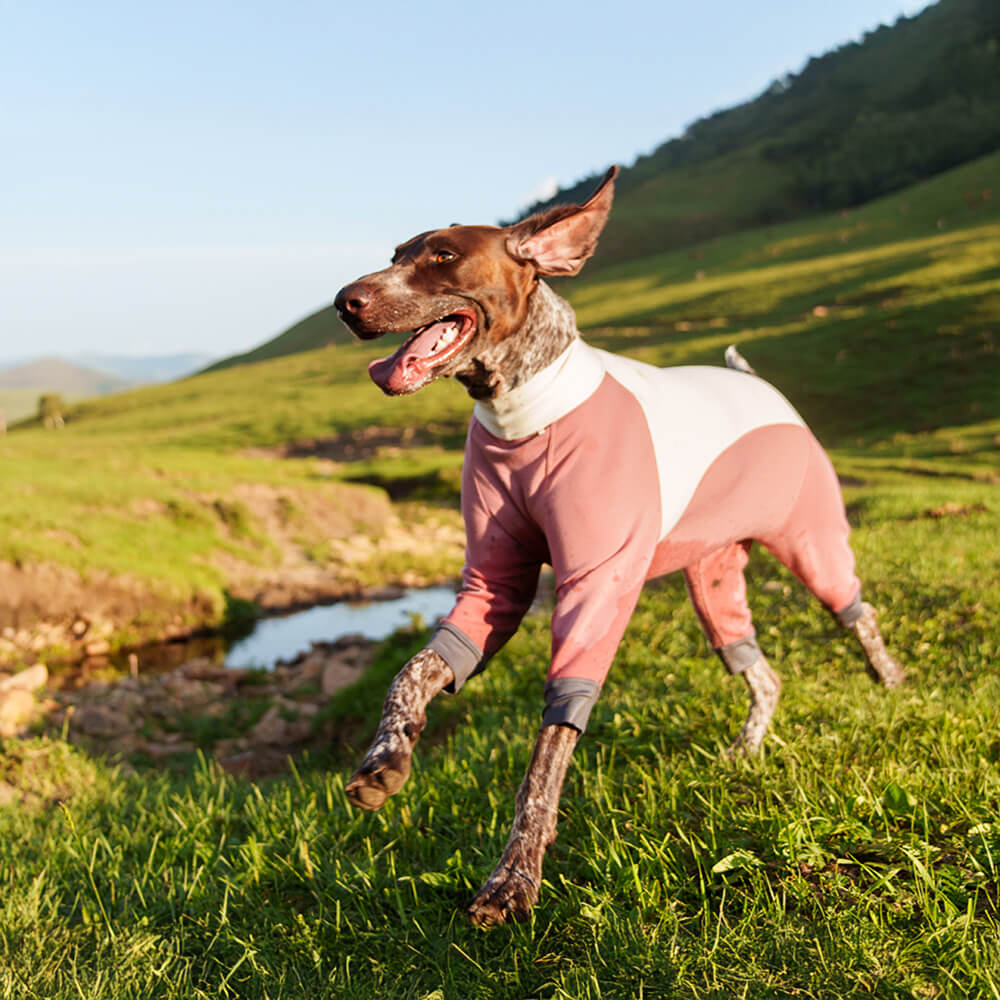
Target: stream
<point>283,637</point>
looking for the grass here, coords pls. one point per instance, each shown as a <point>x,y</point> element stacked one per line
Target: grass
<point>858,857</point>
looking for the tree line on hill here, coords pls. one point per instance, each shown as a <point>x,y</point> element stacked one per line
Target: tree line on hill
<point>868,118</point>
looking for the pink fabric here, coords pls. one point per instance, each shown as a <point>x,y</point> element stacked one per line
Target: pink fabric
<point>584,495</point>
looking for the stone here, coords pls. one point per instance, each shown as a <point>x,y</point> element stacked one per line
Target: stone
<point>17,708</point>
<point>338,674</point>
<point>270,727</point>
<point>27,680</point>
<point>274,729</point>
<point>101,721</point>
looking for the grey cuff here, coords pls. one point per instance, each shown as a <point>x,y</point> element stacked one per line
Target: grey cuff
<point>849,615</point>
<point>460,653</point>
<point>568,702</point>
<point>739,655</point>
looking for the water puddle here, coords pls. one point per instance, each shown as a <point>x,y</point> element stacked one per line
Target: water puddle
<point>284,638</point>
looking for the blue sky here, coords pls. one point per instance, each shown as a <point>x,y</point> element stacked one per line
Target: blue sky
<point>198,176</point>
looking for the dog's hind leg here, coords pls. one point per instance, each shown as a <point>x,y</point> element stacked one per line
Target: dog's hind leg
<point>386,766</point>
<point>882,666</point>
<point>512,889</point>
<point>718,592</point>
<point>765,688</point>
<point>814,545</point>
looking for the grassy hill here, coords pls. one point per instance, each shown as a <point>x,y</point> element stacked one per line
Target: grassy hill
<point>319,329</point>
<point>859,122</point>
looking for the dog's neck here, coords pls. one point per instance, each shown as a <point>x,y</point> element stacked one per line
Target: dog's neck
<point>545,397</point>
<point>549,328</point>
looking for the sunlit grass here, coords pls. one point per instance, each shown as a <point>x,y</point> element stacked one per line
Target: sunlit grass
<point>858,856</point>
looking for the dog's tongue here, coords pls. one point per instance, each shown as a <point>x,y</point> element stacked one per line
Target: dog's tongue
<point>408,368</point>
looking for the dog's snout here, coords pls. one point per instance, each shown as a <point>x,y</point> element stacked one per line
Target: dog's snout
<point>353,299</point>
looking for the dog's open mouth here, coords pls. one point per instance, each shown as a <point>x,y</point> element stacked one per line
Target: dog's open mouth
<point>414,364</point>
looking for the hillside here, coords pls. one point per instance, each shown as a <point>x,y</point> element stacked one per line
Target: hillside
<point>317,330</point>
<point>863,120</point>
<point>904,104</point>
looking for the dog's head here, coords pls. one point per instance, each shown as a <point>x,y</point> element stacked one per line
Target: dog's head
<point>464,288</point>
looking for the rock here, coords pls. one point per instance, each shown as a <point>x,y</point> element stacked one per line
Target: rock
<point>101,721</point>
<point>27,680</point>
<point>98,647</point>
<point>238,763</point>
<point>338,674</point>
<point>270,727</point>
<point>274,729</point>
<point>158,750</point>
<point>17,708</point>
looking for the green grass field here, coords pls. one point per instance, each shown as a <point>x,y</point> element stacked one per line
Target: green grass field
<point>857,857</point>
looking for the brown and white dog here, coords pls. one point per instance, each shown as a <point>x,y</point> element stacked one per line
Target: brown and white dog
<point>612,472</point>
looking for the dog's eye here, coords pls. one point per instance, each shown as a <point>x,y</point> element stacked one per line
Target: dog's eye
<point>442,256</point>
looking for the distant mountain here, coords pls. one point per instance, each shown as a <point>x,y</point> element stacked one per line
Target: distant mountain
<point>56,375</point>
<point>22,384</point>
<point>142,368</point>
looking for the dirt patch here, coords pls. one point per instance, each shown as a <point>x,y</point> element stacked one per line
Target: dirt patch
<point>47,606</point>
<point>952,509</point>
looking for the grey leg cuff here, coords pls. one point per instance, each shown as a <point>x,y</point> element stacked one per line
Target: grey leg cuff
<point>739,655</point>
<point>849,615</point>
<point>460,653</point>
<point>568,702</point>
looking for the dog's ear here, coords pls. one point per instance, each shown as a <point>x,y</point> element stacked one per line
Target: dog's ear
<point>561,240</point>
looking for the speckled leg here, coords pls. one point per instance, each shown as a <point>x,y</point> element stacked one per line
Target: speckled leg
<point>511,891</point>
<point>883,667</point>
<point>765,689</point>
<point>386,766</point>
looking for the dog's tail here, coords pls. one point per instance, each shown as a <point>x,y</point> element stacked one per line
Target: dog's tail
<point>736,361</point>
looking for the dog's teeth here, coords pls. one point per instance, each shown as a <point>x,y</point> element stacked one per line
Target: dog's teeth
<point>445,339</point>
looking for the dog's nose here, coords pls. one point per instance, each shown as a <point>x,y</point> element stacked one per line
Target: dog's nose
<point>353,299</point>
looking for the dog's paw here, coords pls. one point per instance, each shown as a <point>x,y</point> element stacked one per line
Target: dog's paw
<point>747,744</point>
<point>382,773</point>
<point>508,895</point>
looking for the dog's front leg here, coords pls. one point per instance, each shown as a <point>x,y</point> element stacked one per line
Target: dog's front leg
<point>512,889</point>
<point>387,764</point>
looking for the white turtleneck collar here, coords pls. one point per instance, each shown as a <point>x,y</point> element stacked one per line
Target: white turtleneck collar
<point>558,388</point>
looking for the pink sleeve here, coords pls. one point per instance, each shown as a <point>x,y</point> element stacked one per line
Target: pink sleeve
<point>503,555</point>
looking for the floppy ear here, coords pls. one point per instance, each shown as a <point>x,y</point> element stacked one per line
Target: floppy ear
<point>561,240</point>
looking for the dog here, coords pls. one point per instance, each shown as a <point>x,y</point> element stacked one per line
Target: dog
<point>609,470</point>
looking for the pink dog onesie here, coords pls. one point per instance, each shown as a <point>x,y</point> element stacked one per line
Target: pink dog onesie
<point>614,472</point>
